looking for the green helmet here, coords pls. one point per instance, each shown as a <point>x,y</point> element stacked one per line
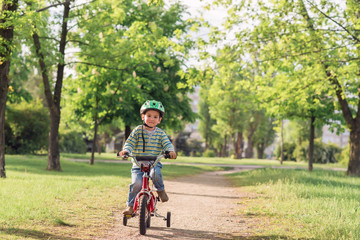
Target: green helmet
<point>153,105</point>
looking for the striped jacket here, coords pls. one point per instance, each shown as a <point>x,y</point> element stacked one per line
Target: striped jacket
<point>159,142</point>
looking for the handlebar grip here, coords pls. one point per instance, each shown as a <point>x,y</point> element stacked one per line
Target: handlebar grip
<point>167,154</point>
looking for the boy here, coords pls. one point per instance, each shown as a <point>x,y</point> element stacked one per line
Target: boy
<point>147,139</point>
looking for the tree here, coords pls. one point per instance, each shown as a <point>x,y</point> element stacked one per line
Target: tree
<point>139,62</point>
<point>53,96</point>
<point>206,122</point>
<point>264,134</point>
<point>305,57</point>
<point>231,103</point>
<point>7,23</point>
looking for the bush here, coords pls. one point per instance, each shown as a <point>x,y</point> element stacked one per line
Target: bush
<point>344,156</point>
<point>72,142</point>
<point>209,153</point>
<point>26,128</point>
<point>288,151</point>
<point>323,153</point>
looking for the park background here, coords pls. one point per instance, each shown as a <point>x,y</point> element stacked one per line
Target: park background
<point>74,74</point>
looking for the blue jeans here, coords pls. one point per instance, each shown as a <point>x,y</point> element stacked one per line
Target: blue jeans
<point>136,185</point>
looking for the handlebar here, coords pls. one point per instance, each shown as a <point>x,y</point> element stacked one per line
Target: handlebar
<point>137,159</point>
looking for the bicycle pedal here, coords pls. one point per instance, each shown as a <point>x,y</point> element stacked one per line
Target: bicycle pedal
<point>152,214</point>
<point>128,216</point>
<point>158,198</point>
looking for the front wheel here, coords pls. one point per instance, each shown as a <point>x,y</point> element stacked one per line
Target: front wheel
<point>148,221</point>
<point>168,219</point>
<point>143,214</point>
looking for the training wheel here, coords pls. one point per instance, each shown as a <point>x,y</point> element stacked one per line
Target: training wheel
<point>168,219</point>
<point>124,220</point>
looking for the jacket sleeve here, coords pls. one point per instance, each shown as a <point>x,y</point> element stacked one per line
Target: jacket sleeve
<point>166,144</point>
<point>130,143</point>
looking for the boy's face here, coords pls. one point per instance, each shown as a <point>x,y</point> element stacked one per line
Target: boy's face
<point>151,118</point>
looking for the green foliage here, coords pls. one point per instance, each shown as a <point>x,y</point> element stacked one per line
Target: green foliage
<point>129,57</point>
<point>72,142</point>
<point>206,122</point>
<point>288,151</point>
<point>323,153</point>
<point>209,153</point>
<point>344,156</point>
<point>298,131</point>
<point>26,127</point>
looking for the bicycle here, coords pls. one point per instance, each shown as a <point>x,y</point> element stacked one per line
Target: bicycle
<point>145,201</point>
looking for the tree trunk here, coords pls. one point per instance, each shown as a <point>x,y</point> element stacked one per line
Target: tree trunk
<point>53,149</point>
<point>4,82</point>
<point>7,36</point>
<point>95,132</point>
<point>249,153</point>
<point>238,144</point>
<point>260,148</point>
<point>223,150</point>
<point>233,140</point>
<point>311,143</point>
<point>94,142</point>
<point>53,101</point>
<point>354,162</point>
<point>282,143</point>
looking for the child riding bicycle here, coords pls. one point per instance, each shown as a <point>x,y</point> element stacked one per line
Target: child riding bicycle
<point>147,139</point>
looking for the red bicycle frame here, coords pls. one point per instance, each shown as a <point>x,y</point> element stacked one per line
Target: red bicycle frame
<point>146,190</point>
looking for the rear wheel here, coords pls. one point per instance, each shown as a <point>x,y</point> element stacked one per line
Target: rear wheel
<point>143,214</point>
<point>168,219</point>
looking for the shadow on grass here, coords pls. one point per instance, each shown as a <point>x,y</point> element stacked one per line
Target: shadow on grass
<point>34,234</point>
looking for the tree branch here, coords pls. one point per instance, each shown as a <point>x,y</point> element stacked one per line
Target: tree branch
<point>50,6</point>
<point>333,20</point>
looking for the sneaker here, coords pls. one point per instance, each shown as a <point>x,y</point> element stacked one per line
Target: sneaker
<point>128,211</point>
<point>163,196</point>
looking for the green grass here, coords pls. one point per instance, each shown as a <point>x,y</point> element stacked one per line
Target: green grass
<point>77,203</point>
<point>297,204</point>
<point>208,160</point>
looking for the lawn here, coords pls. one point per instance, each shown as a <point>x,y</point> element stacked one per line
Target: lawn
<point>297,204</point>
<point>208,160</point>
<point>77,203</point>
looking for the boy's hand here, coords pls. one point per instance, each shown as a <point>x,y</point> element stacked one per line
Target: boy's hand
<point>122,153</point>
<point>172,155</point>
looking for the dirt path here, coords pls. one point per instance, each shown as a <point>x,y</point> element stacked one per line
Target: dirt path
<point>202,207</point>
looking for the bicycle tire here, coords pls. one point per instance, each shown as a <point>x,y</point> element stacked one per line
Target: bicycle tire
<point>124,220</point>
<point>148,221</point>
<point>168,219</point>
<point>143,214</point>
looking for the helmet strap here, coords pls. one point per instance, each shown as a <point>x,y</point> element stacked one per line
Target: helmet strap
<point>142,134</point>
<point>147,125</point>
